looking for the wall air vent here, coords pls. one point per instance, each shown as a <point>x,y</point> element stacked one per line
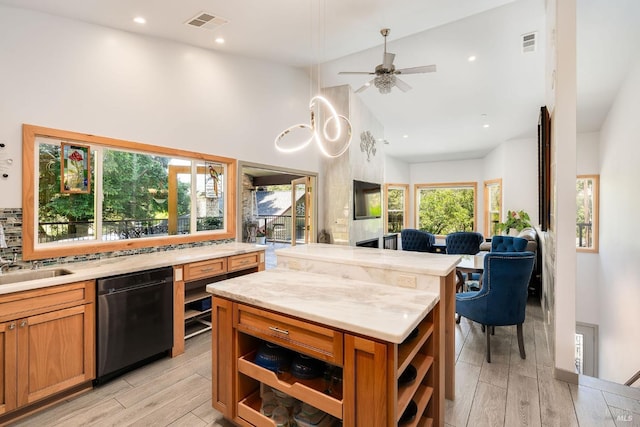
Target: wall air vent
<point>207,21</point>
<point>529,42</point>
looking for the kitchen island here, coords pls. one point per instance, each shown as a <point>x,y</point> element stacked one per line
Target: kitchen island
<point>416,270</point>
<point>372,332</point>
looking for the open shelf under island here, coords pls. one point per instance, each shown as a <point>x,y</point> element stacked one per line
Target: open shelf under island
<point>371,332</point>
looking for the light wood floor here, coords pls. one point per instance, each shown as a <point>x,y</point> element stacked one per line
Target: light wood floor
<point>507,392</point>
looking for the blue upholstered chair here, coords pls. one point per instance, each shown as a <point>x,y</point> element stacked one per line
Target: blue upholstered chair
<point>464,242</point>
<point>417,240</point>
<point>508,244</point>
<point>502,300</point>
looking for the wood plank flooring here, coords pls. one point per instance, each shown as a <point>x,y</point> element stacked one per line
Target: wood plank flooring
<point>507,392</point>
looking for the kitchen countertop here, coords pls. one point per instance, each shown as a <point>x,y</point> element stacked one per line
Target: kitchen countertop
<point>406,261</point>
<point>106,267</point>
<point>384,312</point>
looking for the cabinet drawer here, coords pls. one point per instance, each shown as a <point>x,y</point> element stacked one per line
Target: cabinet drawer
<point>299,335</point>
<point>37,301</point>
<point>203,269</point>
<point>244,261</point>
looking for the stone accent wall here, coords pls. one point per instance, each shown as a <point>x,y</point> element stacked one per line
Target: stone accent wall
<point>11,220</point>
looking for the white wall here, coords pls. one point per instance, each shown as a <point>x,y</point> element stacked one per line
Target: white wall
<point>69,75</point>
<point>520,176</point>
<point>564,165</point>
<point>588,280</point>
<point>619,246</point>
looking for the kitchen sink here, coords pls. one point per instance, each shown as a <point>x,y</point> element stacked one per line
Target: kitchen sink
<point>25,275</point>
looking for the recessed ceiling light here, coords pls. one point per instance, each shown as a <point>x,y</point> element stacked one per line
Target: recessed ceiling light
<point>367,84</point>
<point>486,125</point>
<point>471,58</point>
<point>405,136</point>
<point>139,20</point>
<point>219,40</point>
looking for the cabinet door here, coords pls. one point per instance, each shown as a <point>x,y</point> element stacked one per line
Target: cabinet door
<point>7,366</point>
<point>222,358</point>
<point>56,351</point>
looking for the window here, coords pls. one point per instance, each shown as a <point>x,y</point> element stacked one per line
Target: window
<point>587,187</point>
<point>397,201</point>
<point>139,195</point>
<point>445,208</point>
<point>492,206</point>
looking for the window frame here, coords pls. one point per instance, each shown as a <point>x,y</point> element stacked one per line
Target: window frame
<point>31,250</point>
<point>487,205</point>
<point>467,184</point>
<point>405,212</point>
<point>595,227</point>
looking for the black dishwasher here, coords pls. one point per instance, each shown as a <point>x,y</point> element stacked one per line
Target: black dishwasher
<point>134,320</point>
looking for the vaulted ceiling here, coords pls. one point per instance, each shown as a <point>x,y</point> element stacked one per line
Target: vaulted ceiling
<point>443,115</point>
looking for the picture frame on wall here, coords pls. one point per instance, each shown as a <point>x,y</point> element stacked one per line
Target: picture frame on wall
<point>75,168</point>
<point>544,169</point>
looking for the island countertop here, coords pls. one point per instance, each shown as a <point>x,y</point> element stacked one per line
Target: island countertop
<point>406,261</point>
<point>378,311</point>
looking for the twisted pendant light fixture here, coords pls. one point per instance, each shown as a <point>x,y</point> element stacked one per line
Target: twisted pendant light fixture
<point>333,136</point>
<point>333,139</point>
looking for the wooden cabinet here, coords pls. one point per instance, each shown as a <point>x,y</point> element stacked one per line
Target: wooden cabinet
<point>369,396</point>
<point>47,343</point>
<point>192,303</point>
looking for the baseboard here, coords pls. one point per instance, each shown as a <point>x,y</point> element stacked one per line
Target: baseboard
<point>566,376</point>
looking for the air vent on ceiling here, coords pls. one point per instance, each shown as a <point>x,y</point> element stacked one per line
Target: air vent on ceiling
<point>529,42</point>
<point>207,21</point>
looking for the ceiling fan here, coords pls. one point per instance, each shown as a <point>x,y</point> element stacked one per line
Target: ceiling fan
<point>385,73</point>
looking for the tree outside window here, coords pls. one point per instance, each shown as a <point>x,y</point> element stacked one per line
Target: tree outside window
<point>446,208</point>
<point>587,187</point>
<point>397,206</point>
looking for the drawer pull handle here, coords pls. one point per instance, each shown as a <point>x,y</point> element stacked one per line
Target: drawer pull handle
<point>278,330</point>
<point>23,323</point>
<point>12,326</point>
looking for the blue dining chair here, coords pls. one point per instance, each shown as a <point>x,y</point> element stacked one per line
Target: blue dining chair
<point>464,243</point>
<point>508,244</point>
<point>502,299</point>
<point>417,240</point>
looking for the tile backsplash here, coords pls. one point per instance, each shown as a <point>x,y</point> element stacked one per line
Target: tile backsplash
<point>11,220</point>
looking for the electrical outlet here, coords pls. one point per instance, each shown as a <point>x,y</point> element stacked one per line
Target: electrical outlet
<point>293,264</point>
<point>406,281</point>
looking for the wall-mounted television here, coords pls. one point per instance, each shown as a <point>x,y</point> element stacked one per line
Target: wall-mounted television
<point>367,200</point>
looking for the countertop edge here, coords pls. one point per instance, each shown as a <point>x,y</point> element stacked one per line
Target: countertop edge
<point>95,269</point>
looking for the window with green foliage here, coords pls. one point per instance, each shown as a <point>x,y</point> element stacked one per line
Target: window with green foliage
<point>492,206</point>
<point>134,195</point>
<point>135,199</point>
<point>397,196</point>
<point>587,187</point>
<point>445,208</point>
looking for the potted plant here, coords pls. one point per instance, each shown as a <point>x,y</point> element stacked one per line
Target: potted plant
<point>516,220</point>
<point>261,237</point>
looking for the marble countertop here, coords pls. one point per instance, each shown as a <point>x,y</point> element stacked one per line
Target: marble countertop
<point>379,311</point>
<point>407,261</point>
<point>106,267</point>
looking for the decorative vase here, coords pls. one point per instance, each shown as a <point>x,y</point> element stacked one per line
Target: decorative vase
<point>513,232</point>
<point>261,240</point>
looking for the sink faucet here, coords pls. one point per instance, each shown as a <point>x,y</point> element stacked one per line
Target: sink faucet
<point>6,263</point>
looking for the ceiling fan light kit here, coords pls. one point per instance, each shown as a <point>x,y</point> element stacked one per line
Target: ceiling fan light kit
<point>385,73</point>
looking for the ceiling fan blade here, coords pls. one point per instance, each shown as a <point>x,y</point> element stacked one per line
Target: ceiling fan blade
<point>365,86</point>
<point>387,60</point>
<point>356,72</point>
<point>416,70</point>
<point>402,85</point>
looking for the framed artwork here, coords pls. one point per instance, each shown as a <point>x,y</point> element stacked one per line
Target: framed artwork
<point>75,169</point>
<point>544,169</point>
